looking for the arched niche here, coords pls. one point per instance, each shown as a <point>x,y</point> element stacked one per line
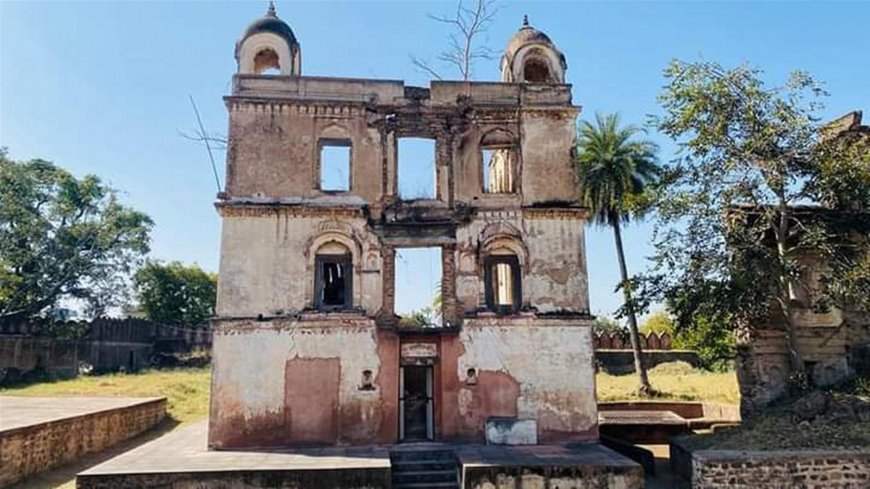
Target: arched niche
<point>264,51</point>
<point>538,64</point>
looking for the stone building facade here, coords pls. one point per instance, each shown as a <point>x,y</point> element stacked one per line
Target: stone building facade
<point>308,349</point>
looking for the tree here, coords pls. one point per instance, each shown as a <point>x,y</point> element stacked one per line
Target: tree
<point>606,324</point>
<point>418,318</point>
<point>173,293</point>
<point>616,173</point>
<point>734,218</point>
<point>467,24</point>
<point>63,238</point>
<point>658,322</point>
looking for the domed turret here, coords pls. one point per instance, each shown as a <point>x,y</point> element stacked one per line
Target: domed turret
<point>269,47</point>
<point>531,57</point>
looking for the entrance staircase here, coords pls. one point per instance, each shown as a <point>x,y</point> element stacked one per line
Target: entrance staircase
<point>424,468</point>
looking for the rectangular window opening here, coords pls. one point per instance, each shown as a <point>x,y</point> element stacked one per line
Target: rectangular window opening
<point>416,169</point>
<point>503,288</point>
<point>335,166</point>
<point>418,287</point>
<point>333,282</point>
<point>498,170</point>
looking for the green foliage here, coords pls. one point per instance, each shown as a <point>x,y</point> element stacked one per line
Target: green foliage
<point>713,342</point>
<point>658,322</point>
<point>421,318</point>
<point>615,169</point>
<point>173,293</point>
<point>731,228</point>
<point>841,175</point>
<point>63,237</point>
<point>606,324</point>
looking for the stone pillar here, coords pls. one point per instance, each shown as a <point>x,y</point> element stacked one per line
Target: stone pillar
<point>449,302</point>
<point>388,278</point>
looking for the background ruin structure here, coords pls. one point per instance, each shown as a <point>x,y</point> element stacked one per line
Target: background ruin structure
<point>307,346</point>
<point>834,344</point>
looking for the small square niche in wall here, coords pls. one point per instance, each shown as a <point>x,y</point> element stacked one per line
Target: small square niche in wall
<point>335,167</point>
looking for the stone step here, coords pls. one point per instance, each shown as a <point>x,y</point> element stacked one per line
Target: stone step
<point>422,465</point>
<point>427,485</point>
<point>424,476</point>
<point>419,455</point>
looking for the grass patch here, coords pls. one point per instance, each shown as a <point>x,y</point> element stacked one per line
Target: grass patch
<point>775,428</point>
<point>186,389</point>
<point>673,380</point>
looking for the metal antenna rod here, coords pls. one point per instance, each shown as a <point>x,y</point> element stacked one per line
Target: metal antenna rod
<point>204,135</point>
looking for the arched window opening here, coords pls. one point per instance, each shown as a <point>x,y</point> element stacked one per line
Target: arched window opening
<point>266,63</point>
<point>498,170</point>
<point>536,70</point>
<point>333,280</point>
<point>499,158</point>
<point>502,283</point>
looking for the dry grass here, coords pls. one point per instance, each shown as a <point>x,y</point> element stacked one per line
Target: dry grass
<point>676,380</point>
<point>775,429</point>
<point>185,389</point>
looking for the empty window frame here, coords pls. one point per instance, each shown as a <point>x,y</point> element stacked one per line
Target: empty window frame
<point>417,285</point>
<point>502,284</point>
<point>499,165</point>
<point>333,282</point>
<point>416,169</point>
<point>335,165</point>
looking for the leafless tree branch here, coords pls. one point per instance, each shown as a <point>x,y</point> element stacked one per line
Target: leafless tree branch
<point>466,24</point>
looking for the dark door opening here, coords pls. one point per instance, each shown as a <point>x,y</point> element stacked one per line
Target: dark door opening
<point>416,423</point>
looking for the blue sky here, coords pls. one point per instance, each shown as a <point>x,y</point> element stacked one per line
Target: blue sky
<point>102,87</point>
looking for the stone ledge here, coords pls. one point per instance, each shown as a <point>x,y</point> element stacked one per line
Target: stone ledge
<point>769,468</point>
<point>47,437</point>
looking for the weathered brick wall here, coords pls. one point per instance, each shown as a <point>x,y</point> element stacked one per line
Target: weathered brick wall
<point>712,469</point>
<point>27,450</point>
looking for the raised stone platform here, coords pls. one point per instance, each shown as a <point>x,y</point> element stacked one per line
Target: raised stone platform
<point>181,460</point>
<point>587,465</point>
<point>38,433</point>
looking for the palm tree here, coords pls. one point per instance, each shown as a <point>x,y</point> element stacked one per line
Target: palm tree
<point>615,171</point>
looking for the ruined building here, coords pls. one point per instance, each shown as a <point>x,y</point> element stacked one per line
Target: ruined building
<point>308,348</point>
<point>833,344</point>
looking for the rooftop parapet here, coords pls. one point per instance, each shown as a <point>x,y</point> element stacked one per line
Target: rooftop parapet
<point>394,92</point>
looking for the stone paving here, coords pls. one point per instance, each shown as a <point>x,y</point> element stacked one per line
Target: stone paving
<point>17,412</point>
<point>573,455</point>
<point>184,450</point>
<point>179,456</point>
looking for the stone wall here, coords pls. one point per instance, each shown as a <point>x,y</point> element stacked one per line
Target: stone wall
<point>579,477</point>
<point>30,449</point>
<point>255,404</point>
<point>713,469</point>
<point>28,352</point>
<point>829,348</point>
<point>620,362</point>
<point>300,382</point>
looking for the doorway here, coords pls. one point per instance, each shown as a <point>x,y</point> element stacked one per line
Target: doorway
<point>416,414</point>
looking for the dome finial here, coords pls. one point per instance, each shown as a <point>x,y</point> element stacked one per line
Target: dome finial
<point>525,20</point>
<point>271,11</point>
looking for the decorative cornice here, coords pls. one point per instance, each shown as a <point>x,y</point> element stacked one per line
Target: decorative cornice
<point>283,106</point>
<point>570,213</point>
<point>226,209</point>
